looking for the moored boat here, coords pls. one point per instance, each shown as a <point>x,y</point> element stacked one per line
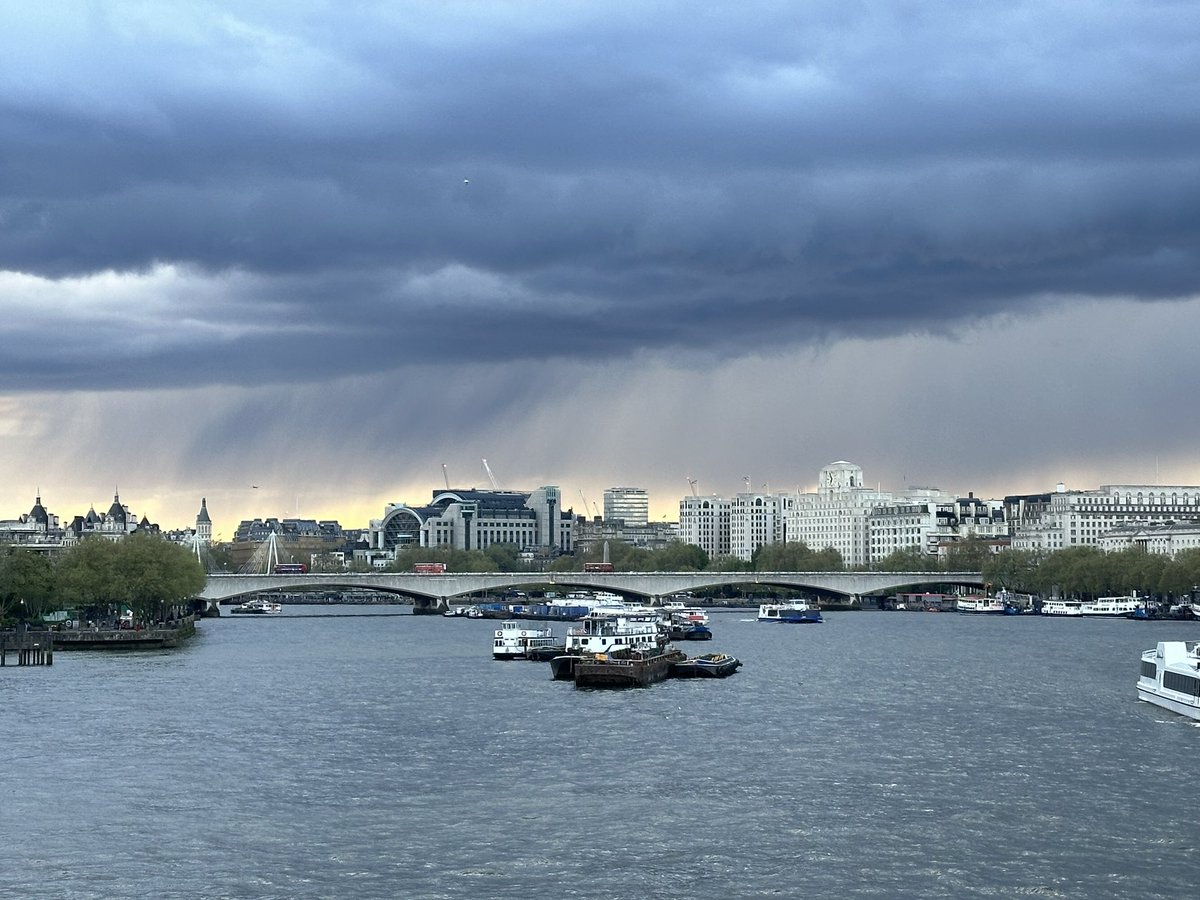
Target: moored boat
<point>1061,607</point>
<point>513,640</point>
<point>976,605</point>
<point>545,653</point>
<point>627,668</point>
<point>1170,677</point>
<point>710,665</point>
<point>689,633</point>
<point>607,631</point>
<point>1112,607</point>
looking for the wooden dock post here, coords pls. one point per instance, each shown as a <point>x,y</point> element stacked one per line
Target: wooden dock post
<point>34,648</point>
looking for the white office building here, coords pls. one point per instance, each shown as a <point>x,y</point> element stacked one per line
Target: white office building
<point>704,521</point>
<point>863,524</point>
<point>836,515</point>
<point>756,520</point>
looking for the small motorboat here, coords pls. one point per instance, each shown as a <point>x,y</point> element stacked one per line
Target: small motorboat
<point>710,665</point>
<point>258,606</point>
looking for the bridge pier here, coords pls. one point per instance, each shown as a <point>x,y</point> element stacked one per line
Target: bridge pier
<point>428,606</point>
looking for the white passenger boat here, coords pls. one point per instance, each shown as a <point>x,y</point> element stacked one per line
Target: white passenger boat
<point>257,606</point>
<point>1102,607</point>
<point>516,640</point>
<point>1061,607</point>
<point>1170,678</point>
<point>1111,607</point>
<point>981,605</point>
<point>775,612</point>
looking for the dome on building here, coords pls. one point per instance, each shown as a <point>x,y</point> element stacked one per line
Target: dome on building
<point>38,514</point>
<point>116,512</point>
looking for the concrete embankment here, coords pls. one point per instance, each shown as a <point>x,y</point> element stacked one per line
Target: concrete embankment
<point>167,634</point>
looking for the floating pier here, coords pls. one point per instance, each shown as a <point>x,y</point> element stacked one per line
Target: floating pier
<point>169,634</point>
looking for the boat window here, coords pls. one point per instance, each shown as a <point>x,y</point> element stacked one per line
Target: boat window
<point>1185,684</point>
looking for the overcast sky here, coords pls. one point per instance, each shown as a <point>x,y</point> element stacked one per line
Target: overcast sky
<point>325,249</point>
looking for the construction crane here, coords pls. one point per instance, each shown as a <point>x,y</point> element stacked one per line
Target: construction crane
<point>585,501</point>
<point>491,477</point>
<point>692,482</point>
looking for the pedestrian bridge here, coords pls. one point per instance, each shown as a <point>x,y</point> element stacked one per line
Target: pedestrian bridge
<point>436,591</point>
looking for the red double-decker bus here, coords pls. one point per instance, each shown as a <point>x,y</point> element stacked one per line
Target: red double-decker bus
<point>429,568</point>
<point>597,567</point>
<point>290,569</point>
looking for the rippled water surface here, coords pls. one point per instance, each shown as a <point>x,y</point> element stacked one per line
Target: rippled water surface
<point>338,752</point>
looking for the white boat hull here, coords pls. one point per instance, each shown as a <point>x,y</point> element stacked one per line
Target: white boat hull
<point>1191,710</point>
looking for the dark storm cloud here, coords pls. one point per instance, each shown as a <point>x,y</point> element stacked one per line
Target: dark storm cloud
<point>362,190</point>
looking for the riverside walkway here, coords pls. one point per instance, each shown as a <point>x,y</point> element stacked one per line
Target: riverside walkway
<point>437,590</point>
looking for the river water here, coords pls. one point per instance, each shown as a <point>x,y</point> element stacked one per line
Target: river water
<point>358,752</point>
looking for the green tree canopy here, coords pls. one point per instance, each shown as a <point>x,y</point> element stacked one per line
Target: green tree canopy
<point>1073,571</point>
<point>26,584</point>
<point>908,559</point>
<point>456,560</point>
<point>1013,570</point>
<point>143,571</point>
<point>970,554</point>
<point>795,556</point>
<point>1181,575</point>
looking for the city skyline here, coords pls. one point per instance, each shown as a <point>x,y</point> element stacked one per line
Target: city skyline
<point>223,529</point>
<point>295,259</point>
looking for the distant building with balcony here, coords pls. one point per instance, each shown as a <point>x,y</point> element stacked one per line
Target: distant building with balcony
<point>934,527</point>
<point>1068,518</point>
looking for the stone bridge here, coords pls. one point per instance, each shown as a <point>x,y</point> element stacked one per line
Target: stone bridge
<point>436,591</point>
